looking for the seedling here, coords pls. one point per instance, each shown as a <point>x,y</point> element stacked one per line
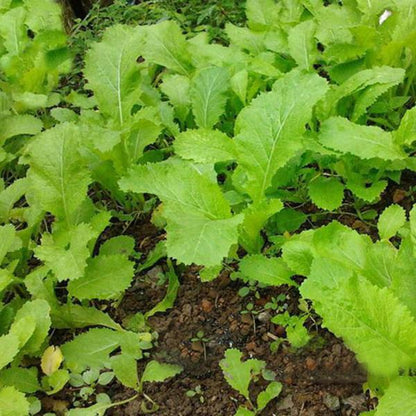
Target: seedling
<point>239,374</point>
<point>196,392</point>
<point>275,303</point>
<point>200,337</point>
<point>250,310</point>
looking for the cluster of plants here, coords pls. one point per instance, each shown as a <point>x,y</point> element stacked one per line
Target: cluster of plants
<point>224,143</point>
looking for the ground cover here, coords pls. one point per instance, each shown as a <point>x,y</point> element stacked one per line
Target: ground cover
<point>208,208</point>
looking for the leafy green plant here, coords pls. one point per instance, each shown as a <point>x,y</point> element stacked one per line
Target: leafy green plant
<point>362,290</point>
<point>239,374</point>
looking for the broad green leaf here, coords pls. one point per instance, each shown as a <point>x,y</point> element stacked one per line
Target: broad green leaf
<point>268,271</point>
<point>91,349</point>
<point>56,381</point>
<point>43,15</point>
<point>166,46</point>
<point>208,93</point>
<point>342,244</point>
<point>297,253</point>
<point>255,217</point>
<point>237,373</point>
<point>239,84</point>
<point>361,189</point>
<point>9,196</point>
<point>260,13</point>
<point>390,221</point>
<point>366,142</point>
<point>13,402</point>
<point>125,369</point>
<point>9,345</point>
<point>106,277</point>
<point>272,391</point>
<point>113,73</point>
<point>406,133</point>
<point>200,226</point>
<point>302,44</point>
<point>366,85</point>
<point>19,124</point>
<point>158,372</point>
<point>13,32</point>
<point>58,176</point>
<point>269,130</point>
<point>288,220</point>
<point>23,379</point>
<point>178,90</point>
<point>326,193</point>
<point>399,398</point>
<point>8,240</point>
<point>381,330</point>
<point>205,146</point>
<point>38,311</point>
<point>66,253</point>
<point>246,39</point>
<point>77,316</point>
<point>122,244</point>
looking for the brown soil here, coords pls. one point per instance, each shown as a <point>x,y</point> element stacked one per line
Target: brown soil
<point>322,379</point>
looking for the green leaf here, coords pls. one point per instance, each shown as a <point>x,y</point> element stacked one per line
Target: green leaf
<point>13,402</point>
<point>237,373</point>
<point>365,85</point>
<point>366,142</point>
<point>58,176</point>
<point>391,220</point>
<point>92,349</point>
<point>24,379</point>
<point>66,253</point>
<point>56,381</point>
<point>242,411</point>
<point>9,345</point>
<point>399,398</point>
<point>37,311</point>
<point>269,271</point>
<point>326,193</point>
<point>125,369</point>
<point>260,13</point>
<point>288,220</point>
<point>168,301</point>
<point>255,217</point>
<point>77,316</point>
<point>19,124</point>
<point>122,244</point>
<point>302,44</point>
<point>381,330</point>
<point>8,240</point>
<point>270,129</point>
<point>406,133</point>
<point>166,46</point>
<point>158,372</point>
<point>205,146</point>
<point>208,92</point>
<point>200,226</point>
<point>97,409</point>
<point>178,90</point>
<point>113,73</point>
<point>272,391</point>
<point>106,277</point>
